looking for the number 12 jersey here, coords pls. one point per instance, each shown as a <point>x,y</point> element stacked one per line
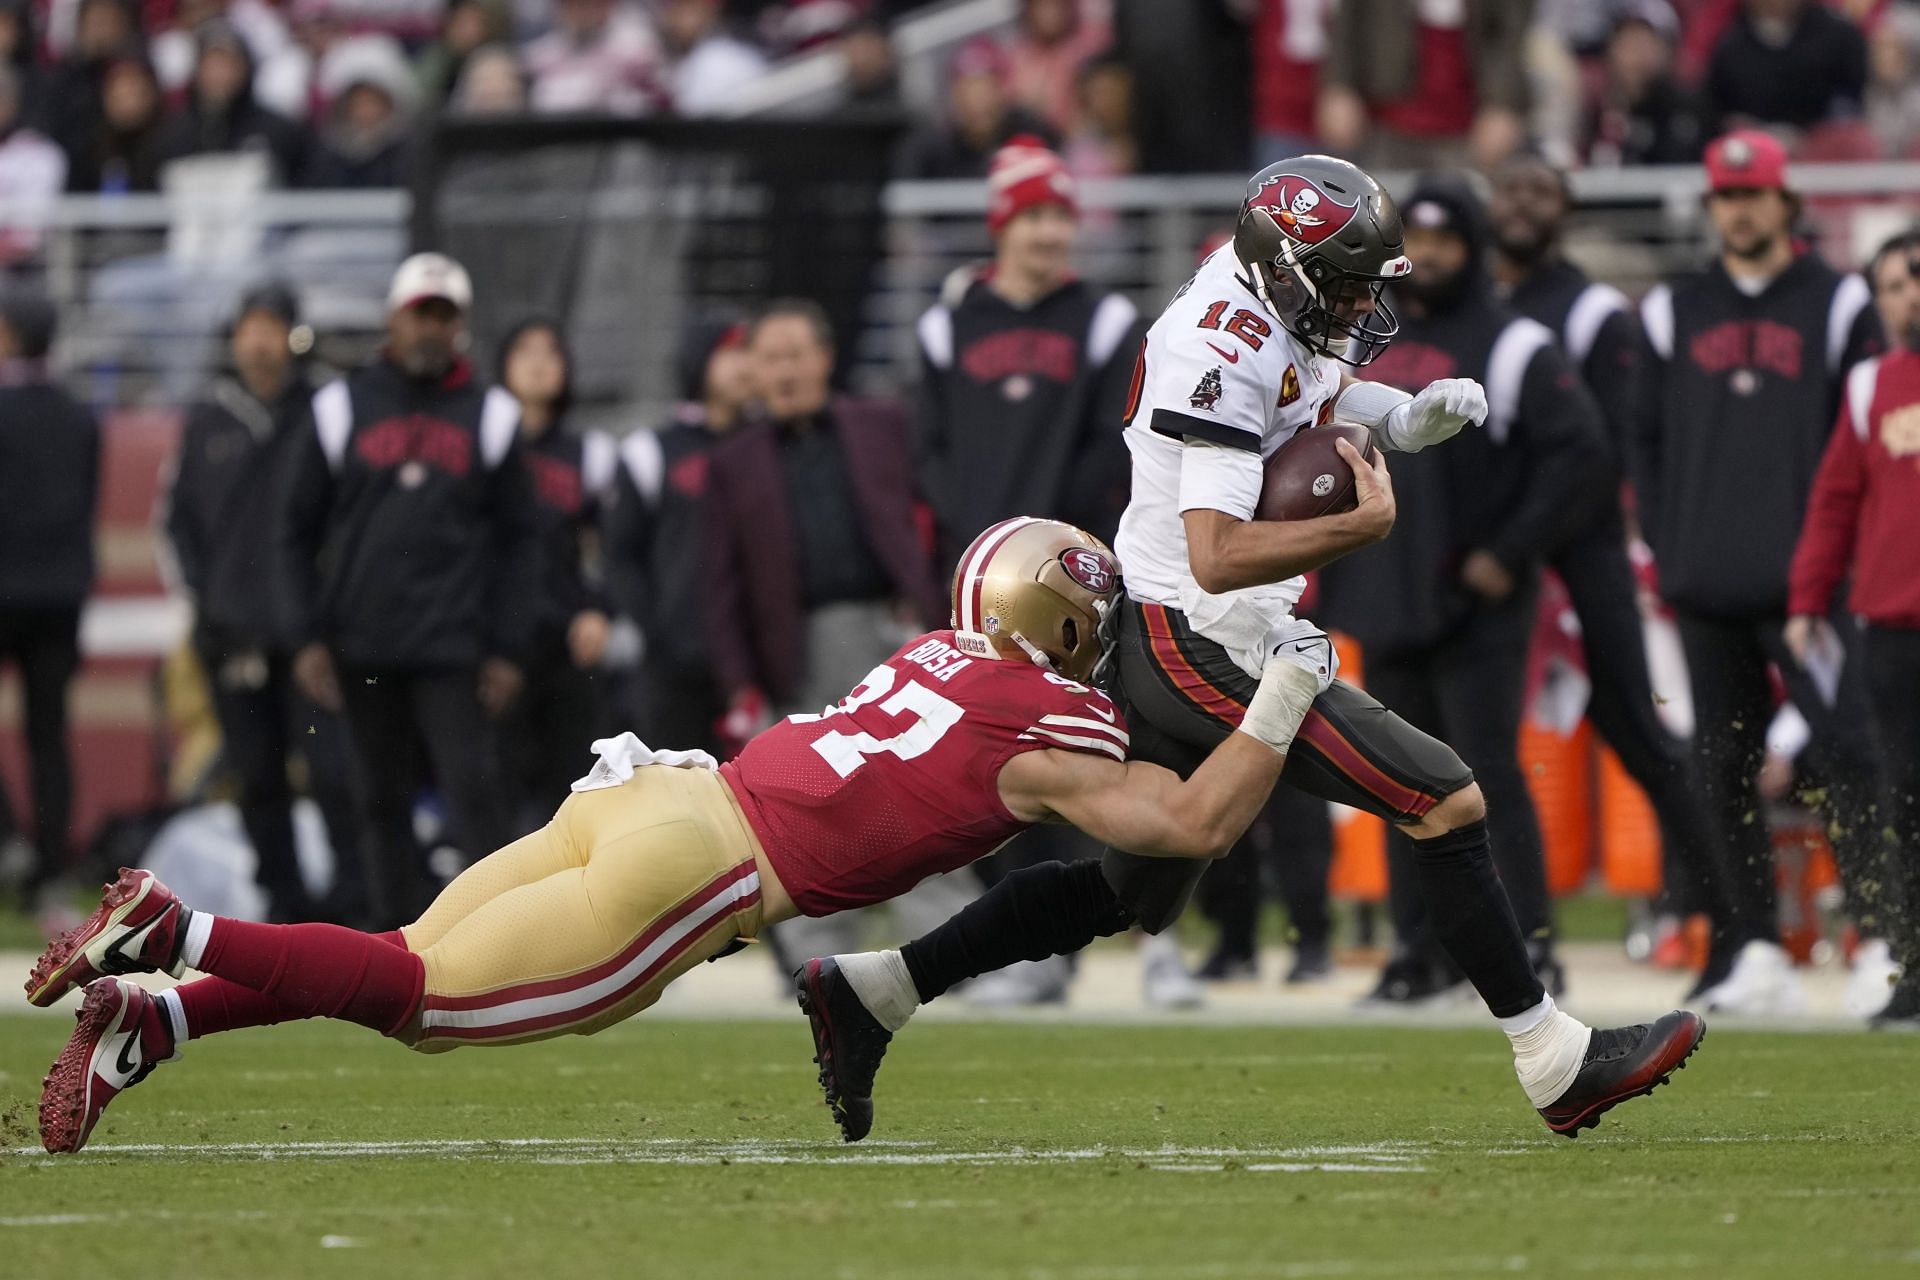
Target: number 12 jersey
<point>1217,368</point>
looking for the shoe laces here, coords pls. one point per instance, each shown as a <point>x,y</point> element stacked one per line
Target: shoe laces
<point>1610,1044</point>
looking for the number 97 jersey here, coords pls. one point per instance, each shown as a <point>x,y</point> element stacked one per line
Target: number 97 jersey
<point>900,781</point>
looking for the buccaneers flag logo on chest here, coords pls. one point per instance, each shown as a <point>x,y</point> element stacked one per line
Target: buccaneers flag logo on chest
<point>1303,210</point>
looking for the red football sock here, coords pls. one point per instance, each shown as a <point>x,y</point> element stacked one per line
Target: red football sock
<point>310,971</point>
<point>208,1006</point>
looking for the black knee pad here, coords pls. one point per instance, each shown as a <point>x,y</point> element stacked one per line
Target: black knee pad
<point>1076,891</point>
<point>1464,845</point>
<point>1154,891</point>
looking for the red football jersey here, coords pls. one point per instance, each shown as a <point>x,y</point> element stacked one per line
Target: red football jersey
<point>900,780</point>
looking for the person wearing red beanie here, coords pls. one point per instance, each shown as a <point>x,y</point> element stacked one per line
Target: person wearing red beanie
<point>1024,373</point>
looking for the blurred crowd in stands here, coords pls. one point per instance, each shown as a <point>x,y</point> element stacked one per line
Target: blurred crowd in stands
<point>100,95</point>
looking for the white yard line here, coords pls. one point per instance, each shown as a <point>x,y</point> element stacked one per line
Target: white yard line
<point>120,1217</point>
<point>878,1152</point>
<point>1380,1157</point>
<point>1367,1157</point>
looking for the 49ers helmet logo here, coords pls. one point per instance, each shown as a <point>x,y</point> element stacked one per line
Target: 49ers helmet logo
<point>1089,568</point>
<point>1301,209</point>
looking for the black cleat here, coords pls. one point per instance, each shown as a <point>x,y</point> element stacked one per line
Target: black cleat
<point>1718,969</point>
<point>1623,1063</point>
<point>1903,1010</point>
<point>1312,962</point>
<point>848,1043</point>
<point>1229,966</point>
<point>1411,982</point>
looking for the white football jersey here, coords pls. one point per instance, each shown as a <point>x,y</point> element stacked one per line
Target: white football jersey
<point>1218,387</point>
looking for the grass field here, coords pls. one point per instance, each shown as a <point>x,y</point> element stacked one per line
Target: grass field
<point>692,1149</point>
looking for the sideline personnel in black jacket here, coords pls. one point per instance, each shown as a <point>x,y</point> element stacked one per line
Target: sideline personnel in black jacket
<point>409,564</point>
<point>565,702</point>
<point>1445,608</point>
<point>218,516</point>
<point>1748,360</point>
<point>1597,329</point>
<point>656,513</point>
<point>49,476</point>
<point>1024,370</point>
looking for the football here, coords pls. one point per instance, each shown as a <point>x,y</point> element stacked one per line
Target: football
<point>1307,477</point>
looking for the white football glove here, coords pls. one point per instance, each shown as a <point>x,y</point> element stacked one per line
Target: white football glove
<point>1436,414</point>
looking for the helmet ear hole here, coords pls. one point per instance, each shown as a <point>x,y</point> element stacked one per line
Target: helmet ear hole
<point>1070,634</point>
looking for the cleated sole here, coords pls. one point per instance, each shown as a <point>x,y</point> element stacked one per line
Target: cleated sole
<point>65,1092</point>
<point>1590,1118</point>
<point>56,972</point>
<point>822,1025</point>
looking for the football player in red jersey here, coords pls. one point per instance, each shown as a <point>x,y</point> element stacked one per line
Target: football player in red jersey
<point>658,860</point>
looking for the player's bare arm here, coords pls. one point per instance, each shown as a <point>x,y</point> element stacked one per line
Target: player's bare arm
<point>1227,553</point>
<point>1146,809</point>
<point>1142,807</point>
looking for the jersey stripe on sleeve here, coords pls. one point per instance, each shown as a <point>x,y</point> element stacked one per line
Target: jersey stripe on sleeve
<point>1171,422</point>
<point>1054,737</point>
<point>1080,724</point>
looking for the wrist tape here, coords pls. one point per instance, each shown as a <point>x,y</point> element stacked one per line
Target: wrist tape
<point>1285,695</point>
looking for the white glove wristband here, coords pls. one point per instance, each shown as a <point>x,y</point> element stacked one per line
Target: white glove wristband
<point>1285,695</point>
<point>1369,404</point>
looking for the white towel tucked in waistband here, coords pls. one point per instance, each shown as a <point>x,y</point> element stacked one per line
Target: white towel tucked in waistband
<point>621,756</point>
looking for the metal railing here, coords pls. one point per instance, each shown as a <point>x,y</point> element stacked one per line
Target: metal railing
<point>146,283</point>
<point>1143,235</point>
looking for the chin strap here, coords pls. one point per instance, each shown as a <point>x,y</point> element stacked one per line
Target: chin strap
<point>976,645</point>
<point>1040,659</point>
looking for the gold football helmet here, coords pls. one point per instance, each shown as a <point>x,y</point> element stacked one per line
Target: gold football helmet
<point>1038,590</point>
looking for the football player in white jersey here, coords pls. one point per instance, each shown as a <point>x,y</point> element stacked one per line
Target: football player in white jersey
<point>1254,348</point>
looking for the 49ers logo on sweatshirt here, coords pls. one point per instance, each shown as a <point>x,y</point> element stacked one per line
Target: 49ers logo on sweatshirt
<point>413,443</point>
<point>1302,209</point>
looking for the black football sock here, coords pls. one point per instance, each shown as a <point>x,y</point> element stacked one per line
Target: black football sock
<point>1473,920</point>
<point>1049,909</point>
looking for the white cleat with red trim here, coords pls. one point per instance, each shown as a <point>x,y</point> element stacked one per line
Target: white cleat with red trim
<point>120,1038</point>
<point>137,928</point>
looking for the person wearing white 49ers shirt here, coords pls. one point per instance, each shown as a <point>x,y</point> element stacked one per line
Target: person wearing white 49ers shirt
<point>1250,352</point>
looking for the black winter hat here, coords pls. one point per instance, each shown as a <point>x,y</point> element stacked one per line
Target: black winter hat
<point>31,318</point>
<point>697,344</point>
<point>276,298</point>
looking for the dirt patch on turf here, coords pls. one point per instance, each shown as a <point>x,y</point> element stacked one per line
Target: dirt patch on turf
<point>17,1126</point>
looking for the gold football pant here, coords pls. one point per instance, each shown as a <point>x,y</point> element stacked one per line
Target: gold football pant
<point>586,921</point>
